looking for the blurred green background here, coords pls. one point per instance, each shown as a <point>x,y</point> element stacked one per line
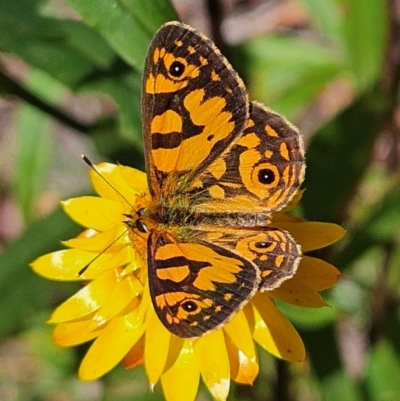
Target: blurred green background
<point>70,76</point>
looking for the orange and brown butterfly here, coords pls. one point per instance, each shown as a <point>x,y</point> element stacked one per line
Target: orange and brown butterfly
<point>218,166</point>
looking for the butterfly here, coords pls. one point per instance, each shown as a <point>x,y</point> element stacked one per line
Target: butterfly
<point>218,166</point>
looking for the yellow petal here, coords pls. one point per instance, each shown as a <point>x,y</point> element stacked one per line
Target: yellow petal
<point>111,183</point>
<point>312,235</point>
<point>108,183</point>
<point>248,310</point>
<point>132,267</point>
<point>62,265</point>
<point>87,300</point>
<point>298,293</point>
<point>313,275</point>
<point>156,347</point>
<point>101,242</point>
<point>97,213</point>
<point>135,356</point>
<point>123,295</point>
<point>114,260</point>
<point>317,273</point>
<point>280,217</point>
<point>144,306</point>
<point>104,261</point>
<point>115,341</point>
<point>181,381</point>
<point>239,332</point>
<point>274,332</point>
<point>244,370</point>
<point>71,334</point>
<point>135,178</point>
<point>67,264</point>
<point>213,359</point>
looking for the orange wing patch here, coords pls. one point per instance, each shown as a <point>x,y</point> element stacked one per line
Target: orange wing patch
<point>166,123</point>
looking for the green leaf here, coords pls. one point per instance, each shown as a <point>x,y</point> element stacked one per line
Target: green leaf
<point>39,41</point>
<point>383,372</point>
<point>21,291</point>
<point>88,43</point>
<point>126,92</point>
<point>35,148</point>
<point>323,353</point>
<point>309,318</point>
<point>379,227</point>
<point>365,32</point>
<point>45,87</point>
<point>54,46</point>
<point>127,25</point>
<point>340,386</point>
<point>287,73</point>
<point>336,158</point>
<point>327,16</point>
<point>322,350</point>
<point>151,14</point>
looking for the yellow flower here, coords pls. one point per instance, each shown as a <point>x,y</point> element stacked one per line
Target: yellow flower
<point>114,309</point>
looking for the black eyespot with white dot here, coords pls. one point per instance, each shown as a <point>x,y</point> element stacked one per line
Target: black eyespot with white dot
<point>266,176</point>
<point>176,69</point>
<point>189,306</point>
<point>262,244</point>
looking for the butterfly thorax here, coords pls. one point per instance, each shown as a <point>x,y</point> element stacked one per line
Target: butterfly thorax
<point>177,205</point>
<point>187,218</point>
<point>171,211</point>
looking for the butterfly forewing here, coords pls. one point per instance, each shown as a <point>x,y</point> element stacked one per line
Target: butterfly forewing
<point>259,172</point>
<point>197,286</point>
<point>193,106</point>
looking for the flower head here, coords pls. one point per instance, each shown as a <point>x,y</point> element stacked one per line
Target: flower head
<point>114,308</point>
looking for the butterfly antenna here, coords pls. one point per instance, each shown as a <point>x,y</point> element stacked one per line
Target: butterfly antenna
<point>84,268</point>
<point>94,168</point>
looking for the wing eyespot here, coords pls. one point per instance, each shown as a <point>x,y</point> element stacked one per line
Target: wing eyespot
<point>189,306</point>
<point>176,69</point>
<point>262,244</point>
<point>266,176</point>
<point>263,177</point>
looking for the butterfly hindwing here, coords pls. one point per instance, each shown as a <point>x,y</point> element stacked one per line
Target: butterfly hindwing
<point>197,286</point>
<point>273,251</point>
<point>193,106</point>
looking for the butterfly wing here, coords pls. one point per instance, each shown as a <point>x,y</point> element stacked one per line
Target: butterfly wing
<point>197,286</point>
<point>275,252</point>
<point>193,106</point>
<point>260,171</point>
